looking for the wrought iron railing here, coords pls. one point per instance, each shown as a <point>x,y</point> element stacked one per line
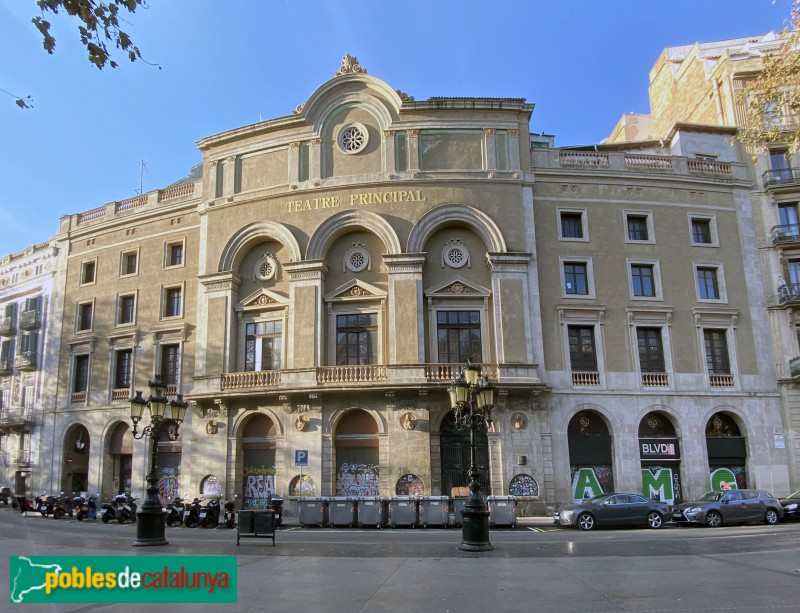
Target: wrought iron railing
<point>781,176</point>
<point>788,233</point>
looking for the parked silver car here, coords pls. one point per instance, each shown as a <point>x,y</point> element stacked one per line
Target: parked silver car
<point>613,509</point>
<point>734,506</point>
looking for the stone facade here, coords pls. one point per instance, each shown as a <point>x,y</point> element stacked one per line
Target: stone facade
<point>317,286</point>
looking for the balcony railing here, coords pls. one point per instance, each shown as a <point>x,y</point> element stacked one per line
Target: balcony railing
<point>78,398</point>
<point>26,360</point>
<point>239,380</point>
<point>20,416</point>
<point>30,320</point>
<point>720,379</point>
<point>794,367</point>
<point>6,366</point>
<point>20,457</point>
<point>789,233</point>
<point>448,372</point>
<point>781,177</point>
<point>585,378</point>
<point>7,326</point>
<point>351,374</point>
<point>120,394</point>
<point>789,293</point>
<point>655,379</point>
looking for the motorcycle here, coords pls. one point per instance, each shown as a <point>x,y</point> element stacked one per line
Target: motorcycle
<point>125,508</point>
<point>5,496</point>
<point>62,506</point>
<point>109,512</point>
<point>175,511</point>
<point>191,514</point>
<point>45,504</point>
<point>85,509</point>
<point>25,505</point>
<point>230,512</point>
<point>209,514</point>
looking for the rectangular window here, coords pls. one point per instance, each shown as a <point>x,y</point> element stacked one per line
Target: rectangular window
<point>576,279</point>
<point>642,280</point>
<point>701,231</point>
<point>707,285</point>
<point>458,335</point>
<point>175,254</point>
<point>172,302</point>
<point>127,309</point>
<point>169,364</point>
<point>29,343</point>
<point>32,304</point>
<point>263,343</point>
<point>7,355</point>
<point>400,151</point>
<point>85,316</point>
<point>501,144</point>
<point>28,396</point>
<point>787,214</point>
<point>582,356</point>
<point>779,160</point>
<point>651,350</point>
<point>220,179</point>
<point>356,339</point>
<point>571,225</point>
<point>716,343</point>
<point>130,262</point>
<point>303,162</point>
<point>122,369</point>
<point>88,270</point>
<point>80,379</point>
<point>637,228</point>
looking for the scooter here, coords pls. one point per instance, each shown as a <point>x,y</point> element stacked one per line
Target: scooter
<point>175,511</point>
<point>25,505</point>
<point>85,509</point>
<point>109,512</point>
<point>209,514</point>
<point>230,512</point>
<point>45,504</point>
<point>125,508</point>
<point>191,514</point>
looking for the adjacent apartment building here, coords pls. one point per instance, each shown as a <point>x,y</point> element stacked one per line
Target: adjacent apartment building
<point>318,281</point>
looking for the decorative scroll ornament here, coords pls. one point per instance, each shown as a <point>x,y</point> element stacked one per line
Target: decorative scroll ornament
<point>458,288</point>
<point>356,258</point>
<point>298,110</point>
<point>404,96</point>
<point>455,254</point>
<point>266,268</point>
<point>355,292</point>
<point>350,65</point>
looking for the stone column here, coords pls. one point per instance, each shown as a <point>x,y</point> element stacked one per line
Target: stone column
<point>413,150</point>
<point>406,316</point>
<point>294,162</point>
<point>513,150</point>
<point>491,149</point>
<point>389,162</point>
<point>315,159</point>
<point>306,326</point>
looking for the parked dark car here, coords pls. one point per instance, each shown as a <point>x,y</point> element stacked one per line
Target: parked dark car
<point>613,509</point>
<point>735,506</point>
<point>791,506</point>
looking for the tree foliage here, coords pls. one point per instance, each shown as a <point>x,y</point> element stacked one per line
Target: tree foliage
<point>99,27</point>
<point>772,98</point>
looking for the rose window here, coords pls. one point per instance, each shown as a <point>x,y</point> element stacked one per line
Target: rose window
<point>266,268</point>
<point>357,258</point>
<point>455,254</point>
<point>353,138</point>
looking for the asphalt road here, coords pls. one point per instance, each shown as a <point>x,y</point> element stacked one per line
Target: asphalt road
<point>536,567</point>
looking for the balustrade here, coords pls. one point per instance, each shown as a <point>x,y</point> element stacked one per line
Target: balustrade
<point>583,158</point>
<point>655,379</point>
<point>351,374</point>
<point>648,162</point>
<point>586,378</point>
<point>262,378</point>
<point>720,380</point>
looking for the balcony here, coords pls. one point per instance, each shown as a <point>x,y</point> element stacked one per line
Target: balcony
<point>6,366</point>
<point>7,326</point>
<point>78,398</point>
<point>242,380</point>
<point>120,394</point>
<point>655,379</point>
<point>794,367</point>
<point>784,235</point>
<point>585,378</point>
<point>20,458</point>
<point>718,380</point>
<point>26,360</point>
<point>351,374</point>
<point>30,320</point>
<point>781,177</point>
<point>20,417</point>
<point>789,294</point>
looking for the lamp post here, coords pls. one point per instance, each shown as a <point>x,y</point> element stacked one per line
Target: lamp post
<point>472,398</point>
<point>151,522</point>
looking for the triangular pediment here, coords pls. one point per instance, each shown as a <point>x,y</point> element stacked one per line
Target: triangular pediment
<point>355,290</point>
<point>262,299</point>
<point>455,287</point>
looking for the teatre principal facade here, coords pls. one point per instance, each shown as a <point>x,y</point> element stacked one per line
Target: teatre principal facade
<point>313,288</point>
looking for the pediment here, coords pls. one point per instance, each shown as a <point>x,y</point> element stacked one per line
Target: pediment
<point>262,299</point>
<point>355,290</point>
<point>456,287</point>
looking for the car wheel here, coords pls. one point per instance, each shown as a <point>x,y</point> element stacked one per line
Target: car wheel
<point>771,517</point>
<point>654,520</point>
<point>713,519</point>
<point>585,521</point>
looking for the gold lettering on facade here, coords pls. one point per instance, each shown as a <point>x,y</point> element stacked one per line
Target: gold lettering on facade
<point>358,199</point>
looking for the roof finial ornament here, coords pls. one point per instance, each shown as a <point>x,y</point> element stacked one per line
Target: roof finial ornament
<point>350,65</point>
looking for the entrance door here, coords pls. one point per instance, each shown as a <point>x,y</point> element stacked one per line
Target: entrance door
<point>455,452</point>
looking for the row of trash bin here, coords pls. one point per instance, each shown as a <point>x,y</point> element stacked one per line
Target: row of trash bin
<point>404,511</point>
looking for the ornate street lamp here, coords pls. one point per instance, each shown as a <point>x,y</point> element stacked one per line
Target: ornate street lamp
<point>151,521</point>
<point>472,399</point>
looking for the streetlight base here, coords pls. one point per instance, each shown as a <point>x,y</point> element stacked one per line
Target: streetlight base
<point>150,528</point>
<point>475,530</point>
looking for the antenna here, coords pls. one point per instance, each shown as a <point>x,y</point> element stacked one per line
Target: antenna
<point>142,169</point>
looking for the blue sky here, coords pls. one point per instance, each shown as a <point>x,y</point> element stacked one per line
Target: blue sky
<point>227,63</point>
